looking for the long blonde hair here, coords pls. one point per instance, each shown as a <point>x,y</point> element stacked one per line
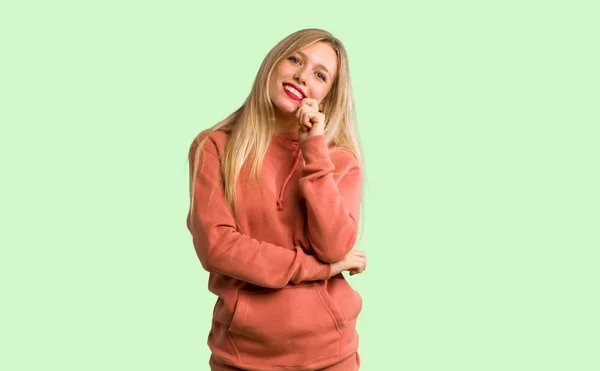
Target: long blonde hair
<point>252,126</point>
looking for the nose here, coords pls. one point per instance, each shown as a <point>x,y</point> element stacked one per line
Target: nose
<point>300,76</point>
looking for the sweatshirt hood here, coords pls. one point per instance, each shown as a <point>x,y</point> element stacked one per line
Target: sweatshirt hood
<point>290,140</point>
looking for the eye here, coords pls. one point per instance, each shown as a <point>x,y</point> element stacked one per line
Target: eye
<point>321,76</point>
<point>294,60</point>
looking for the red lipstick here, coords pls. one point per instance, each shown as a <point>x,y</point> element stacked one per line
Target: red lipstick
<point>292,95</point>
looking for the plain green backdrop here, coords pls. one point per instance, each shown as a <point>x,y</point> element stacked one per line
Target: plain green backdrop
<point>479,122</point>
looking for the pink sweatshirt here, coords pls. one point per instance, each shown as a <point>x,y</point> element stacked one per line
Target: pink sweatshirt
<point>277,308</point>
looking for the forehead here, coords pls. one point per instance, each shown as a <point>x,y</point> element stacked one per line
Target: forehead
<point>321,53</point>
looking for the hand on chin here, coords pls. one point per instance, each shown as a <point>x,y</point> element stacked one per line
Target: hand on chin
<point>310,119</point>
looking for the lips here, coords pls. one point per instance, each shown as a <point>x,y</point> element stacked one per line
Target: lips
<point>293,91</point>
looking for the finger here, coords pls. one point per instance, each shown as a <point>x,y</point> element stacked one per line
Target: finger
<point>311,102</point>
<point>299,118</point>
<point>316,117</point>
<point>306,120</point>
<point>359,254</point>
<point>355,271</point>
<point>362,265</point>
<point>358,260</point>
<point>301,113</point>
<point>358,266</point>
<point>302,107</point>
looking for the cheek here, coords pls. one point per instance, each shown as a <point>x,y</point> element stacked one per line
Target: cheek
<point>273,85</point>
<point>321,93</point>
<point>281,70</point>
<point>274,78</point>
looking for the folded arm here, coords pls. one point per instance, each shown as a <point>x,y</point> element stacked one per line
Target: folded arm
<point>221,248</point>
<point>332,200</point>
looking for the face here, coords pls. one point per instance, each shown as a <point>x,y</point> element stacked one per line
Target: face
<point>306,73</point>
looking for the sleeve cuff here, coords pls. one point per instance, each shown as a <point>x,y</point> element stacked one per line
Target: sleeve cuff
<point>315,149</point>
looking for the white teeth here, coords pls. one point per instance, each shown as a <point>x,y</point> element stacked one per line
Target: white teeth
<point>293,91</point>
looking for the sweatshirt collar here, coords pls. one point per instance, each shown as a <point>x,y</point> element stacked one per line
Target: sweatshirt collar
<point>290,139</point>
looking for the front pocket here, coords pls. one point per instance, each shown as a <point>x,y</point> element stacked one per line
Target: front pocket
<point>299,324</point>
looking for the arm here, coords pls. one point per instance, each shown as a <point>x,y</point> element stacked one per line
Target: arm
<point>222,249</point>
<point>333,203</point>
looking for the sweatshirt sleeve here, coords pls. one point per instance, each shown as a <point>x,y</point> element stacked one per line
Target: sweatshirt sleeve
<point>332,199</point>
<point>221,248</point>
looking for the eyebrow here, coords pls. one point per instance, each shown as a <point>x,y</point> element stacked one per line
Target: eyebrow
<point>320,65</point>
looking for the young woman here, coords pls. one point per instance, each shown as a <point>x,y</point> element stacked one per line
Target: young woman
<point>275,195</point>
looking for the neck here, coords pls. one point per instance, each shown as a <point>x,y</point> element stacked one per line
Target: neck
<point>286,123</point>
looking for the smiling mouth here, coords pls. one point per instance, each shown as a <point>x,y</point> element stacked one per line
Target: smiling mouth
<point>293,92</point>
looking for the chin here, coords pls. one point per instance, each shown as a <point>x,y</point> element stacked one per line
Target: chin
<point>286,107</point>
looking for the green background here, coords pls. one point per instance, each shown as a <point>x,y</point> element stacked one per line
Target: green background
<point>479,122</point>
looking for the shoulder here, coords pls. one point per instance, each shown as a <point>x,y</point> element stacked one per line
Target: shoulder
<point>343,159</point>
<point>211,141</point>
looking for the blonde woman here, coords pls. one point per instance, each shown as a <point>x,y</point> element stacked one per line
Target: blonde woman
<point>275,195</point>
